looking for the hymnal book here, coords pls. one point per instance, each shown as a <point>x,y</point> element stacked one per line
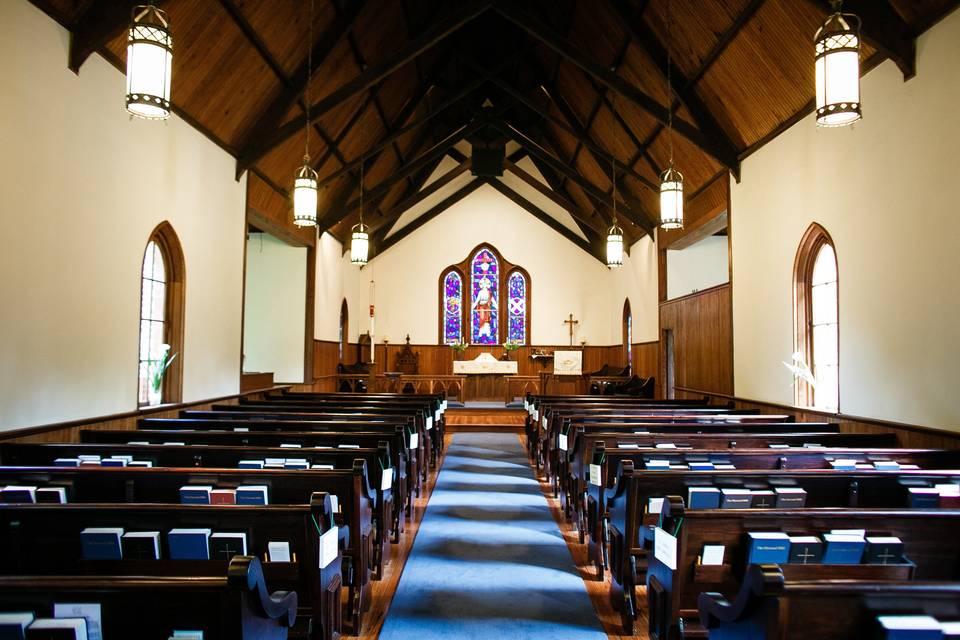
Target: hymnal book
<point>627,445</point>
<point>665,445</point>
<point>790,497</point>
<point>224,546</point>
<point>113,462</point>
<point>284,445</point>
<point>950,629</point>
<point>90,612</point>
<point>66,462</point>
<point>924,497</point>
<point>279,461</point>
<point>762,499</point>
<point>886,465</point>
<point>910,627</point>
<point>712,555</point>
<point>806,550</point>
<point>89,463</point>
<point>139,442</point>
<point>678,467</point>
<point>273,465</point>
<point>279,551</point>
<point>812,445</point>
<point>735,498</point>
<point>701,466</point>
<point>296,464</point>
<point>140,463</point>
<point>141,545</point>
<point>844,464</point>
<point>724,466</point>
<point>843,548</point>
<point>89,456</point>
<point>186,635</point>
<point>328,467</point>
<point>779,446</point>
<point>13,625</point>
<point>864,466</point>
<point>703,498</point>
<point>949,495</point>
<point>52,495</point>
<point>768,547</point>
<point>250,464</point>
<point>348,446</point>
<point>189,544</point>
<point>223,496</point>
<point>195,494</point>
<point>252,494</point>
<point>101,543</point>
<point>909,467</point>
<point>884,550</point>
<point>57,629</point>
<point>19,494</point>
<point>657,465</point>
<point>174,444</point>
<point>241,429</point>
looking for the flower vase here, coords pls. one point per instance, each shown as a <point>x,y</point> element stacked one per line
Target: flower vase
<point>154,396</point>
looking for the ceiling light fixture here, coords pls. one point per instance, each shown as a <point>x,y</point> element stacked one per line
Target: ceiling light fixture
<point>149,63</point>
<point>671,180</point>
<point>837,48</point>
<point>305,182</point>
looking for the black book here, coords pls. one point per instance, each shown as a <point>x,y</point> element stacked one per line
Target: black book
<point>224,546</point>
<point>883,550</point>
<point>141,545</point>
<point>806,550</point>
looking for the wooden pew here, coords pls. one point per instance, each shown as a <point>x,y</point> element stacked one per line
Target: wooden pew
<point>44,539</point>
<point>235,604</point>
<point>229,457</point>
<point>771,606</point>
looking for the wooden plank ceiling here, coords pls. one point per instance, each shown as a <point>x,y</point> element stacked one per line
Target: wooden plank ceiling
<point>577,83</point>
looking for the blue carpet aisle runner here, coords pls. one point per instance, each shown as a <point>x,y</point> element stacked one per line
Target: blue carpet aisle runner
<point>489,560</point>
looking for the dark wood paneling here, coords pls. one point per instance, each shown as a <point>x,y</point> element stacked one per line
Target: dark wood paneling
<point>702,339</point>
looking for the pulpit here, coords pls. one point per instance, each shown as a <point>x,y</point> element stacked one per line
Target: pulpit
<point>486,377</point>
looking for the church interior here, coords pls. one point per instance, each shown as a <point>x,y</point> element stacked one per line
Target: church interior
<point>573,319</point>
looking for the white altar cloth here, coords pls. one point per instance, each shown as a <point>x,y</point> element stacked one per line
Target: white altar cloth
<point>485,363</point>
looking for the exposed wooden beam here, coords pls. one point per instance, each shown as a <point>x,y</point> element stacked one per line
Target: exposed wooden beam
<point>267,138</point>
<point>427,216</point>
<point>704,229</point>
<point>272,115</point>
<point>102,21</point>
<point>546,218</point>
<point>530,24</point>
<point>644,36</point>
<point>392,216</point>
<point>555,183</point>
<point>884,29</point>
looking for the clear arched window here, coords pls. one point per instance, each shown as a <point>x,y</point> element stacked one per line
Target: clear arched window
<point>517,308</point>
<point>817,320</point>
<point>451,312</point>
<point>161,319</point>
<point>628,333</point>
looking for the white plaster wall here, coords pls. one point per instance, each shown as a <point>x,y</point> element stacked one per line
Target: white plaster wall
<point>274,307</point>
<point>329,288</point>
<point>885,190</point>
<point>700,266</point>
<point>564,278</point>
<point>83,187</point>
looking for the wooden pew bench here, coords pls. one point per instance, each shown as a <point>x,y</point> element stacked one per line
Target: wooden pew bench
<point>235,604</point>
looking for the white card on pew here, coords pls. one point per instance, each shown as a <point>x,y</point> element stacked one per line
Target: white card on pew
<point>436,415</point>
<point>654,505</point>
<point>328,467</point>
<point>290,446</point>
<point>444,405</point>
<point>627,445</point>
<point>138,442</point>
<point>712,554</point>
<point>88,611</point>
<point>666,445</point>
<point>665,548</point>
<point>595,474</point>
<point>241,429</point>
<point>429,423</point>
<point>335,503</point>
<point>279,551</point>
<point>328,546</point>
<point>526,405</point>
<point>414,440</point>
<point>562,442</point>
<point>948,489</point>
<point>386,479</point>
<point>348,446</point>
<point>543,423</point>
<point>536,414</point>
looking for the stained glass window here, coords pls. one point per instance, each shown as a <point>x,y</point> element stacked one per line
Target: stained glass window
<point>484,296</point>
<point>452,308</point>
<point>517,301</point>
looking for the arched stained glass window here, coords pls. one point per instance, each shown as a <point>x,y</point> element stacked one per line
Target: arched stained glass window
<point>517,308</point>
<point>452,308</point>
<point>484,297</point>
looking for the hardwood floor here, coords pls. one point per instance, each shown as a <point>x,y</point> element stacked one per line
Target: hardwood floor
<point>382,590</point>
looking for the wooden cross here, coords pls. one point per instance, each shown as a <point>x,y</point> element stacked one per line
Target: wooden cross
<point>571,322</point>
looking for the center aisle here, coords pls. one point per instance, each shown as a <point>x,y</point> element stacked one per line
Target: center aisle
<point>489,560</point>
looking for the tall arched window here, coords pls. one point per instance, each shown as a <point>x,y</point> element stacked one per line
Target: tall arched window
<point>452,312</point>
<point>344,329</point>
<point>470,297</point>
<point>160,364</point>
<point>817,319</point>
<point>628,333</point>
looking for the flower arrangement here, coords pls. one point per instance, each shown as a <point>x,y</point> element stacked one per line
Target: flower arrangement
<point>158,368</point>
<point>800,369</point>
<point>459,347</point>
<point>511,345</point>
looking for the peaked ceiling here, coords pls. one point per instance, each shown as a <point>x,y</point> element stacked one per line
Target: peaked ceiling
<point>397,84</point>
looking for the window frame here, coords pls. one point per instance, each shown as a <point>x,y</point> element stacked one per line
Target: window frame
<point>627,334</point>
<point>442,304</point>
<point>170,250</point>
<point>814,239</point>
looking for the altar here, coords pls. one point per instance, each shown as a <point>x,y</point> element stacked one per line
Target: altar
<point>486,377</point>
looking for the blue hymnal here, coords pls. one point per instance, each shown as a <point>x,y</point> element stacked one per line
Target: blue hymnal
<point>924,497</point>
<point>251,464</point>
<point>768,547</point>
<point>701,466</point>
<point>195,494</point>
<point>703,498</point>
<point>101,543</point>
<point>189,544</point>
<point>66,462</point>
<point>13,626</point>
<point>910,627</point>
<point>843,549</point>
<point>252,494</point>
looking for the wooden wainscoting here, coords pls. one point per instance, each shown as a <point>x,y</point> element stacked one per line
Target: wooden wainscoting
<point>910,435</point>
<point>702,333</point>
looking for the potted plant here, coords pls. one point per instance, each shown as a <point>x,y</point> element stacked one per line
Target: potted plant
<point>158,368</point>
<point>458,349</point>
<point>511,346</point>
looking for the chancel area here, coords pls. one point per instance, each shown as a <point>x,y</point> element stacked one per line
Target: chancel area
<point>394,319</point>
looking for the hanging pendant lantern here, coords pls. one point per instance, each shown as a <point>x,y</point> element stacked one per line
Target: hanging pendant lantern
<point>359,244</point>
<point>671,199</point>
<point>149,63</point>
<point>305,196</point>
<point>614,247</point>
<point>837,48</point>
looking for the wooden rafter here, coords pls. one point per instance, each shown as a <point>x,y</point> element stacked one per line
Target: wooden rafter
<point>102,21</point>
<point>392,216</point>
